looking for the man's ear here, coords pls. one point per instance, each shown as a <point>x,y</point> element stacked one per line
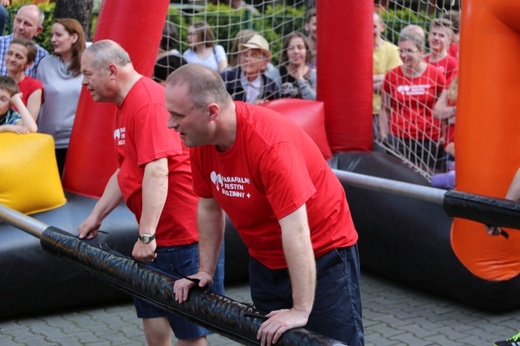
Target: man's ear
<point>214,111</point>
<point>38,31</point>
<point>265,62</point>
<point>113,70</point>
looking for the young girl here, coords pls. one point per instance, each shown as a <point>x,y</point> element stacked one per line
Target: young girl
<point>11,120</point>
<point>203,50</point>
<point>20,55</point>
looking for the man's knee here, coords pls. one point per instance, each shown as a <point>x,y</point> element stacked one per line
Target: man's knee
<point>157,331</point>
<point>193,342</point>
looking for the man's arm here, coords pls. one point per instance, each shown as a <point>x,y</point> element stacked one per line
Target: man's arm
<point>441,109</point>
<point>513,193</point>
<point>155,191</point>
<point>211,227</point>
<point>109,200</point>
<point>384,114</point>
<point>377,82</point>
<point>299,255</point>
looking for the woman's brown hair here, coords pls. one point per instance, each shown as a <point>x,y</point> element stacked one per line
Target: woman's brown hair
<point>72,26</point>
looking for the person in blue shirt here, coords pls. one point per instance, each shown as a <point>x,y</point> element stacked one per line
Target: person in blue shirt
<point>27,23</point>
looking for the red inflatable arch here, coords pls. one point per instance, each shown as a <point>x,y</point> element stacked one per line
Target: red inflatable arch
<point>344,63</point>
<point>91,158</point>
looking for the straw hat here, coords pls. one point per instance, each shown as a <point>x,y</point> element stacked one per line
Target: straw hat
<point>257,42</point>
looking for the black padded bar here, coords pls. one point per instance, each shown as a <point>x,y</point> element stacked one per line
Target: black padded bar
<point>487,210</point>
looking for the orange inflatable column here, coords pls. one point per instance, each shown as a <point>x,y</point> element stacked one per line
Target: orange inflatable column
<point>488,122</point>
<point>344,65</point>
<point>137,26</point>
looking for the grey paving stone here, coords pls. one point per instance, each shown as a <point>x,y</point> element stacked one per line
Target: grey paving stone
<point>392,313</point>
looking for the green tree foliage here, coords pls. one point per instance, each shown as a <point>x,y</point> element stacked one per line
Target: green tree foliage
<point>226,22</point>
<point>81,10</point>
<point>396,20</point>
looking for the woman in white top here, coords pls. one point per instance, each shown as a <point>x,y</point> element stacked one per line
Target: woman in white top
<point>61,78</point>
<point>203,50</point>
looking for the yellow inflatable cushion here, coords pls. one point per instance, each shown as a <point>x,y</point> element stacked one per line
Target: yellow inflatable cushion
<point>29,177</point>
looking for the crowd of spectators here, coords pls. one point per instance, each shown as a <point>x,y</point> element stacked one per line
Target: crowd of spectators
<point>46,79</point>
<point>413,86</point>
<point>415,100</point>
<point>247,68</point>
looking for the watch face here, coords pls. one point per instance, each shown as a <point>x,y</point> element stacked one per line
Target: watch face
<point>146,238</point>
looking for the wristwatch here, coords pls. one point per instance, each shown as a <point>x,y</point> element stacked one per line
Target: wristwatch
<point>146,238</point>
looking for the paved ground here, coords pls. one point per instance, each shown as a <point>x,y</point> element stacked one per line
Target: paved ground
<point>393,315</point>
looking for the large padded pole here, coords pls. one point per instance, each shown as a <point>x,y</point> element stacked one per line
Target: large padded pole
<point>235,320</point>
<point>344,65</point>
<point>137,26</point>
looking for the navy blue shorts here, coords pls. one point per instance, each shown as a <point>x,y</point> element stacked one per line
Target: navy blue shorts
<point>185,260</point>
<point>337,305</point>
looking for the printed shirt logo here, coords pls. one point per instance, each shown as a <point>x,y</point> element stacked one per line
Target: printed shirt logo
<point>119,136</point>
<point>421,89</point>
<point>231,186</point>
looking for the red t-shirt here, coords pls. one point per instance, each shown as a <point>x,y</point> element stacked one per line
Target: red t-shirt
<point>27,86</point>
<point>412,101</point>
<point>449,135</point>
<point>271,170</point>
<point>449,66</point>
<point>454,50</point>
<point>141,136</point>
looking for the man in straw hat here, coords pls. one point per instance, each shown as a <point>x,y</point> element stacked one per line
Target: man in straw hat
<point>247,82</point>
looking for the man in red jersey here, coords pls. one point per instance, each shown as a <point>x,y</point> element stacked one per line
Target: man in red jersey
<point>270,178</point>
<point>154,179</point>
<point>439,39</point>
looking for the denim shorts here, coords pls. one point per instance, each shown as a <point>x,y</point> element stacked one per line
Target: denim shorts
<point>336,312</point>
<point>185,260</point>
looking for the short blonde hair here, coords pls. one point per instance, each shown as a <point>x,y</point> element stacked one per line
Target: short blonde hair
<point>414,37</point>
<point>442,23</point>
